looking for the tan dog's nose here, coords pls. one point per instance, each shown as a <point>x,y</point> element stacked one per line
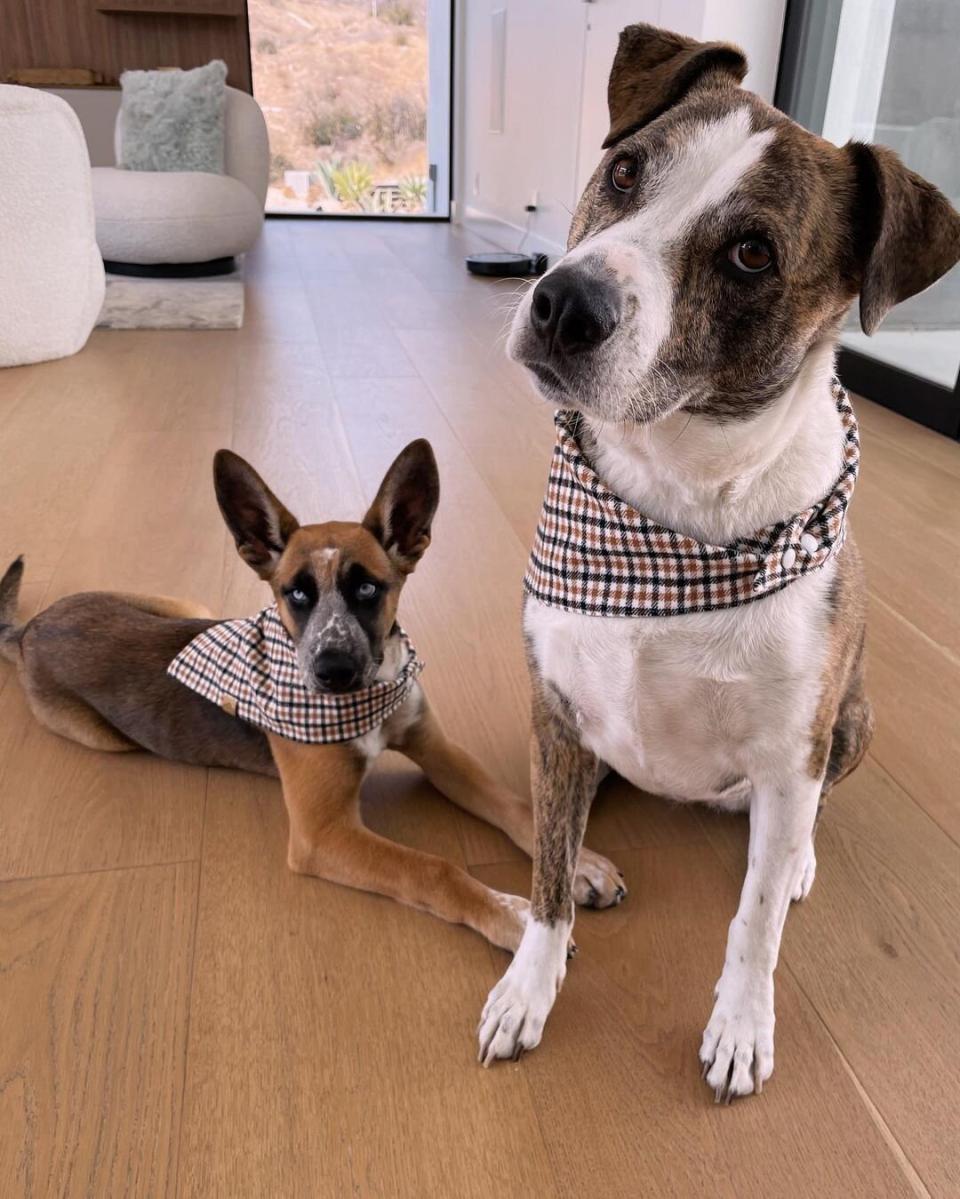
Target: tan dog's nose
<point>336,670</point>
<point>574,311</point>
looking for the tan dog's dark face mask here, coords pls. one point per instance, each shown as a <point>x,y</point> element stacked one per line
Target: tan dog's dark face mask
<point>716,243</point>
<point>337,585</point>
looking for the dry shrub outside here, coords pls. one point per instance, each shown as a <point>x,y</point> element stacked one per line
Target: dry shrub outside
<point>343,87</point>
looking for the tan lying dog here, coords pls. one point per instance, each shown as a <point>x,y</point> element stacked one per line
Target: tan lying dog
<point>94,667</point>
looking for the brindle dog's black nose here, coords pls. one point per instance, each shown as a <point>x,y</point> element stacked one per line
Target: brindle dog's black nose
<point>336,670</point>
<point>573,311</point>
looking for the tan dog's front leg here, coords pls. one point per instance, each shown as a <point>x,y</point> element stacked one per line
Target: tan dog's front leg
<point>461,778</point>
<point>321,789</point>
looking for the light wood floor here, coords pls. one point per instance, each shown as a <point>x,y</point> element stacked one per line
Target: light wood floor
<point>180,1015</point>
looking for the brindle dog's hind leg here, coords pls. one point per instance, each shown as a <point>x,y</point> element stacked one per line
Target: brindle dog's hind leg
<point>851,737</point>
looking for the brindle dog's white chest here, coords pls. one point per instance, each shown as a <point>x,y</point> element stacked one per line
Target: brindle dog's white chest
<point>686,706</point>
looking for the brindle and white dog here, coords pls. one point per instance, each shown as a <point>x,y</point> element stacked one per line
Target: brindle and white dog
<point>692,323</point>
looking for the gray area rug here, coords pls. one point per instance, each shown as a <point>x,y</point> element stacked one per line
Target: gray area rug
<point>172,303</point>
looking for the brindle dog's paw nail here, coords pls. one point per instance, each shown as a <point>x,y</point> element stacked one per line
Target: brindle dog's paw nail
<point>621,894</point>
<point>572,950</point>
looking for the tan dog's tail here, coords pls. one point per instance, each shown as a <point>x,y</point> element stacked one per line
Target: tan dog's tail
<point>9,595</point>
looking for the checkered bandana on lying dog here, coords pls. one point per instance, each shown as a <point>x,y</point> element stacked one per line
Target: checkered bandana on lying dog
<point>249,668</point>
<point>595,554</point>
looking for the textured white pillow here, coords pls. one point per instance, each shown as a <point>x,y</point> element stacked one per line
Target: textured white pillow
<point>173,120</point>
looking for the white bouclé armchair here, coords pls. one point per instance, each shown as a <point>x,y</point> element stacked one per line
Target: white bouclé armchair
<point>154,218</point>
<point>51,273</point>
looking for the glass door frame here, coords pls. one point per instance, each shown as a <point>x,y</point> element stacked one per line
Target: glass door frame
<point>440,120</point>
<point>803,83</point>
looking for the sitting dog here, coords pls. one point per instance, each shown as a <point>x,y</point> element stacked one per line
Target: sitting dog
<point>314,688</point>
<point>694,610</point>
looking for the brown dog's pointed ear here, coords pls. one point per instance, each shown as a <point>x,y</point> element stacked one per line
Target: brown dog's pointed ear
<point>401,515</point>
<point>260,524</point>
<point>906,232</point>
<point>654,69</point>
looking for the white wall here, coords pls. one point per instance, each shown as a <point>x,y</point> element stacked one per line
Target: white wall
<point>499,173</point>
<point>558,57</point>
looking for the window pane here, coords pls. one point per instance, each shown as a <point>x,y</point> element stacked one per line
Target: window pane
<point>896,81</point>
<point>343,85</point>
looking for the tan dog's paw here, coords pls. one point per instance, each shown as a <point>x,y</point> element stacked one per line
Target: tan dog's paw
<point>805,876</point>
<point>598,884</point>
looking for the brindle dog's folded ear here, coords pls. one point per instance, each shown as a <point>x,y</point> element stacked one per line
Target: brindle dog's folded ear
<point>260,524</point>
<point>654,69</point>
<point>906,232</point>
<point>402,514</point>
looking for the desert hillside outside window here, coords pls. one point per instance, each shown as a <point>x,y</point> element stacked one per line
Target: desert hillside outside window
<point>356,95</point>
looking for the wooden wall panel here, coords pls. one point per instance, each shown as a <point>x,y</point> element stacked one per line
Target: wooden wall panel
<point>74,33</point>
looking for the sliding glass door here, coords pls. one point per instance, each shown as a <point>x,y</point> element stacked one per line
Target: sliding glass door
<point>886,71</point>
<point>356,95</point>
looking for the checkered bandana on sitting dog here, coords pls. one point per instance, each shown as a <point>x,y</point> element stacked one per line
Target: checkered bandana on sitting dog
<point>595,554</point>
<point>249,667</point>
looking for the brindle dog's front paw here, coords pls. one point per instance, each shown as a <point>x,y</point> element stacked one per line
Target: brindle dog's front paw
<point>517,1007</point>
<point>598,883</point>
<point>737,1048</point>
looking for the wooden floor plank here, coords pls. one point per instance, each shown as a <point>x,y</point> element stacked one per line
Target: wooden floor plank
<point>909,533</point>
<point>915,688</point>
<point>908,438</point>
<point>152,489</point>
<point>93,1009</point>
<point>481,399</point>
<point>65,809</point>
<point>51,446</point>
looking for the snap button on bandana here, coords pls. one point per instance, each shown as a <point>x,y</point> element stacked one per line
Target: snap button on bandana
<point>249,667</point>
<point>595,554</point>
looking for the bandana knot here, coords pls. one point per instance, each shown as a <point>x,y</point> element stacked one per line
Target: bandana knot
<point>596,554</point>
<point>249,668</point>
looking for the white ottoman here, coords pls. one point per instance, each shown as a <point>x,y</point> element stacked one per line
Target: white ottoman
<point>51,272</point>
<point>154,218</point>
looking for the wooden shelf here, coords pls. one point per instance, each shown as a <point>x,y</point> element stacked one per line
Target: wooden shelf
<point>108,37</point>
<point>179,8</point>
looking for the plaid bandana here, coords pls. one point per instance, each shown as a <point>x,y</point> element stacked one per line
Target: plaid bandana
<point>595,554</point>
<point>249,667</point>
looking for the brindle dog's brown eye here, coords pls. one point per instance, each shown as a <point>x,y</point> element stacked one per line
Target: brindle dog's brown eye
<point>624,173</point>
<point>751,256</point>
